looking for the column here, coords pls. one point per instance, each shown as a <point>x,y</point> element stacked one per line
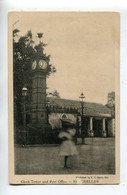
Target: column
<point>91,123</point>
<point>113,127</point>
<point>103,128</point>
<point>91,132</point>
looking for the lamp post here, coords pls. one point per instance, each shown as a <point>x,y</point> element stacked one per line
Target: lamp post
<point>24,94</point>
<point>82,98</point>
<point>48,104</point>
<point>15,121</point>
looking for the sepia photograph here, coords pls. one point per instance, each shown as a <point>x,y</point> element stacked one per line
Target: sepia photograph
<point>64,97</point>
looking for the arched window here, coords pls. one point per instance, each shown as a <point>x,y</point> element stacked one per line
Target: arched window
<point>64,116</point>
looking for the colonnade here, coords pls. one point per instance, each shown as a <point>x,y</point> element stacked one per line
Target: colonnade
<point>91,131</point>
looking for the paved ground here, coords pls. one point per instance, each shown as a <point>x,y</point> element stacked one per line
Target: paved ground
<point>98,157</point>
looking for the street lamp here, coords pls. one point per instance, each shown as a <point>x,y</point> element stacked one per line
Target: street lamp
<point>48,104</point>
<point>82,98</point>
<point>24,94</point>
<point>24,91</point>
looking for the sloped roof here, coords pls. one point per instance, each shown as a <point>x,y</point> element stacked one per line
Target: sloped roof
<point>92,109</point>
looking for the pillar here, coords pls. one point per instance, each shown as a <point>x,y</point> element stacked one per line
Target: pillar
<point>113,127</point>
<point>103,128</point>
<point>91,132</point>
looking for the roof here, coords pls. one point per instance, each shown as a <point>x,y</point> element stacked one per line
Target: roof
<point>92,109</point>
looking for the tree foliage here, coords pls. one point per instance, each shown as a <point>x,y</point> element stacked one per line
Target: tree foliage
<point>111,102</point>
<point>54,93</point>
<point>111,99</point>
<point>24,52</point>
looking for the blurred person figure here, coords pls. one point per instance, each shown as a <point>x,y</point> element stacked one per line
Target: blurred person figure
<point>67,147</point>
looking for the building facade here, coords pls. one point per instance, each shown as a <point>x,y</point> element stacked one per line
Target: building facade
<point>97,118</point>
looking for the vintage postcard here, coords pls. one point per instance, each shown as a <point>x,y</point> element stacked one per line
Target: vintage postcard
<point>64,97</point>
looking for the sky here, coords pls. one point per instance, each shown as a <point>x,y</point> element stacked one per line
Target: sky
<point>82,48</point>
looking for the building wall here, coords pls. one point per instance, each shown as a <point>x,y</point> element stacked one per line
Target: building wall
<point>55,119</point>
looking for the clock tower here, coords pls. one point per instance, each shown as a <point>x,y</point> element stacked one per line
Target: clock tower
<point>39,116</point>
<point>39,111</point>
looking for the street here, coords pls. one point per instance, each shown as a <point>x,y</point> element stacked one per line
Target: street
<point>96,157</point>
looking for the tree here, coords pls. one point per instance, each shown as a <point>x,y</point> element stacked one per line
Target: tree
<point>111,101</point>
<point>54,93</point>
<point>24,52</point>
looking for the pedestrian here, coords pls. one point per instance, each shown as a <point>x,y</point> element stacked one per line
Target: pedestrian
<point>67,147</point>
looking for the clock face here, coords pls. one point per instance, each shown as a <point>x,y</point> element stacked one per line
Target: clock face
<point>42,64</point>
<point>34,64</point>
